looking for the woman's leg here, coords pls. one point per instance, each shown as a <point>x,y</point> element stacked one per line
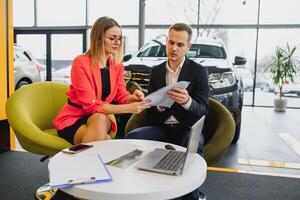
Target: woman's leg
<point>97,127</point>
<point>79,134</point>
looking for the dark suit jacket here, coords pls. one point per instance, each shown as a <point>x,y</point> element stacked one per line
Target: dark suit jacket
<point>197,89</point>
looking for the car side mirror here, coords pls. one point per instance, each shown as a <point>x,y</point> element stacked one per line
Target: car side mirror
<point>238,60</point>
<point>127,57</point>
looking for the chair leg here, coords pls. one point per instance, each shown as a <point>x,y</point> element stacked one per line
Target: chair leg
<point>44,158</point>
<point>45,192</point>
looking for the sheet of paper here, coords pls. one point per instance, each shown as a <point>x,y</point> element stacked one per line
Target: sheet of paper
<point>160,98</point>
<point>127,159</point>
<point>70,170</point>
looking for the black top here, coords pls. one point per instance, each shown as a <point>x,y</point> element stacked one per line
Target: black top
<point>105,83</point>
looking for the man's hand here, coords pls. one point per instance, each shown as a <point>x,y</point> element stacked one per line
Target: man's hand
<point>179,95</point>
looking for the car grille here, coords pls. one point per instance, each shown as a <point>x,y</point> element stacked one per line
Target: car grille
<point>142,78</point>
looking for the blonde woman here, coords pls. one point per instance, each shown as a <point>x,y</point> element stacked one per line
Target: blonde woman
<point>96,81</point>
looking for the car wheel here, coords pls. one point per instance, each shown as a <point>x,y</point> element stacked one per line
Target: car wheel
<point>21,84</point>
<point>237,133</point>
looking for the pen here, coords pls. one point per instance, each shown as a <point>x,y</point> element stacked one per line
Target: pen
<point>82,180</point>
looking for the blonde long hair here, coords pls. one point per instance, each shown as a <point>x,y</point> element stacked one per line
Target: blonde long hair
<point>97,48</point>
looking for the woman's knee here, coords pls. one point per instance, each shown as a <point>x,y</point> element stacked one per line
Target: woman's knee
<point>98,118</point>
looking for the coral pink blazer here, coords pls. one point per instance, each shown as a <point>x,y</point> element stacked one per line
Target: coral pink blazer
<point>86,89</point>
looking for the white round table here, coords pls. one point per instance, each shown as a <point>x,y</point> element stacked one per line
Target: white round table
<point>133,184</point>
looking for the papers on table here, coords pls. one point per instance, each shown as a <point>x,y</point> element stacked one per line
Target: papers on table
<point>160,98</point>
<point>127,159</point>
<point>73,170</point>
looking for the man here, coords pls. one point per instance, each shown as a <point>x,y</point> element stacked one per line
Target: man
<point>172,124</point>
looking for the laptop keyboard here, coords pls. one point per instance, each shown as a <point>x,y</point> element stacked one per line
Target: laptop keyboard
<point>171,161</point>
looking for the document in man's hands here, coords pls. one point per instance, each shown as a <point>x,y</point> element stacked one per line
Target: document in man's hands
<point>160,98</point>
<point>74,170</point>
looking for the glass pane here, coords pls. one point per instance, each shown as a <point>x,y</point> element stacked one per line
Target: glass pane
<point>61,13</point>
<point>280,12</point>
<point>88,38</point>
<point>131,40</point>
<point>229,11</point>
<point>23,12</point>
<point>170,11</point>
<point>65,47</point>
<point>268,41</point>
<point>151,34</point>
<point>36,45</point>
<point>211,11</point>
<point>124,12</point>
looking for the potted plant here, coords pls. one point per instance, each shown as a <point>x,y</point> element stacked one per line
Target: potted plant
<point>283,67</point>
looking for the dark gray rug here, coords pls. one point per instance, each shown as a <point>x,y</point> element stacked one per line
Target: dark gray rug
<point>22,173</point>
<point>231,186</point>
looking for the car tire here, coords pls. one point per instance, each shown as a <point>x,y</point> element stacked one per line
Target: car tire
<point>237,133</point>
<point>22,83</point>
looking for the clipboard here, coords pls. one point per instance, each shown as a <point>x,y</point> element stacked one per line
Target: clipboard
<point>73,170</point>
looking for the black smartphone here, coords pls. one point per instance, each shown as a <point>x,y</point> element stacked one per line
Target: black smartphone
<point>76,148</point>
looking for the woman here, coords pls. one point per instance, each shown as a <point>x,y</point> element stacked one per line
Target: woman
<point>97,80</point>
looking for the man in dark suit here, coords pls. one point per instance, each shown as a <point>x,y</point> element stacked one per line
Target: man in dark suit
<point>172,124</point>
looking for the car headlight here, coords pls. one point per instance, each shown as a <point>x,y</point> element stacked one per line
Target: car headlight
<point>221,80</point>
<point>127,75</point>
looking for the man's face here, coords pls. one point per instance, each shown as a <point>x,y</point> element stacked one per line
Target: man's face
<point>177,45</point>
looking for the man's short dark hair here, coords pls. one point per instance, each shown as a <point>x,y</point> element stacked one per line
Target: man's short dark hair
<point>183,27</point>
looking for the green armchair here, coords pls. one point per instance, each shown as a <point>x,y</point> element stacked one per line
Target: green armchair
<point>30,111</point>
<point>218,130</point>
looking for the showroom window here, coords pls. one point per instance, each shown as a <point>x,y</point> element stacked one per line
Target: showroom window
<point>280,12</point>
<point>233,21</point>
<point>23,11</point>
<point>211,11</point>
<point>124,12</point>
<point>64,13</point>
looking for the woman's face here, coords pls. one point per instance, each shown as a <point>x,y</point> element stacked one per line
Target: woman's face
<point>112,40</point>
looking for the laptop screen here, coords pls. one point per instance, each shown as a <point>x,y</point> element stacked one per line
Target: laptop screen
<point>194,139</point>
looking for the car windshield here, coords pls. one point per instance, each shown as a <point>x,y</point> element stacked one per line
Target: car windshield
<point>206,51</point>
<point>157,49</point>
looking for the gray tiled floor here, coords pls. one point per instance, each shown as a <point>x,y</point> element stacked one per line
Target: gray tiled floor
<point>259,139</point>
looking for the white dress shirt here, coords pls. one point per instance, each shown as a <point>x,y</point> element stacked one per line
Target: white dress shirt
<point>171,78</point>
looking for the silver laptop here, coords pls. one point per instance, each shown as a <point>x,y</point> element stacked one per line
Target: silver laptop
<point>171,161</point>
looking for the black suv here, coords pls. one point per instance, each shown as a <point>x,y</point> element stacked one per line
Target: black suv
<point>225,86</point>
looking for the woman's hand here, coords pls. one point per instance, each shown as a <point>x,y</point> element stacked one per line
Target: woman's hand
<point>138,95</point>
<point>137,107</point>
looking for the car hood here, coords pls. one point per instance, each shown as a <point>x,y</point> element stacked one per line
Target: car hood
<point>213,62</point>
<point>150,62</point>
